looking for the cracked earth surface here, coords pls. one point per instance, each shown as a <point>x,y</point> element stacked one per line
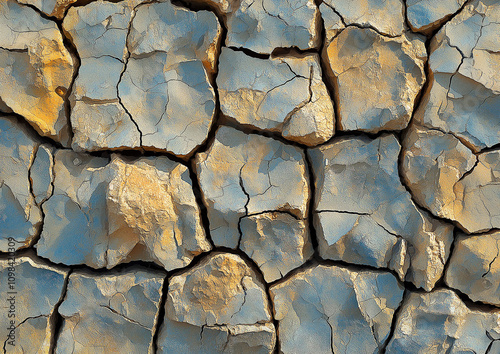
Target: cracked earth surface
<point>236,176</point>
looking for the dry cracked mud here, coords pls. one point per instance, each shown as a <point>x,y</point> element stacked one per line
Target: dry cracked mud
<point>266,176</point>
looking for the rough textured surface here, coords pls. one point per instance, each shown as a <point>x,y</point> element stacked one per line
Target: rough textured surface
<point>475,268</point>
<point>142,96</point>
<point>386,17</point>
<point>277,242</point>
<point>218,306</point>
<point>264,25</point>
<point>20,198</point>
<point>440,322</point>
<point>110,313</point>
<point>54,8</point>
<point>36,69</point>
<point>285,95</point>
<point>364,215</point>
<point>30,300</point>
<point>464,95</point>
<point>103,214</point>
<point>242,175</point>
<point>328,309</point>
<point>426,15</point>
<point>377,79</point>
<point>465,186</point>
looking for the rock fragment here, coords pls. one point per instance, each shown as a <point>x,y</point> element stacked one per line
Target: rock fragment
<point>31,294</point>
<point>263,25</point>
<point>284,95</point>
<point>142,97</point>
<point>242,175</point>
<point>377,78</point>
<point>277,242</point>
<point>427,15</point>
<point>386,17</point>
<point>103,214</point>
<point>218,306</point>
<point>364,215</point>
<point>440,322</point>
<point>464,186</point>
<point>475,267</point>
<point>53,8</point>
<point>21,159</point>
<point>329,309</point>
<point>36,69</point>
<point>464,95</point>
<point>116,312</point>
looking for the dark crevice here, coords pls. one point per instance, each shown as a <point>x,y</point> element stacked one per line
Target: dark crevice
<point>293,52</point>
<point>311,204</point>
<point>56,320</point>
<point>441,283</point>
<point>394,322</point>
<point>160,316</point>
<point>71,48</point>
<point>200,200</point>
<point>250,53</point>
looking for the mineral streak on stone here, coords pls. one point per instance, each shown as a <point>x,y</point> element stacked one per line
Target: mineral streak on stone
<point>447,178</point>
<point>329,309</point>
<point>242,175</point>
<point>377,78</point>
<point>110,313</point>
<point>29,303</point>
<point>475,267</point>
<point>264,25</point>
<point>439,322</point>
<point>25,182</point>
<point>129,91</point>
<point>277,242</point>
<point>364,215</point>
<point>36,70</point>
<point>285,95</point>
<point>427,15</point>
<point>386,17</point>
<point>104,214</point>
<point>53,8</point>
<point>464,93</point>
<point>217,306</point>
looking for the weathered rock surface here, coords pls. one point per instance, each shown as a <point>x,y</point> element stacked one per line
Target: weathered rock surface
<point>427,15</point>
<point>110,313</point>
<point>475,268</point>
<point>277,242</point>
<point>377,78</point>
<point>104,214</point>
<point>21,158</point>
<point>386,17</point>
<point>364,215</point>
<point>464,94</point>
<point>440,322</point>
<point>241,175</point>
<point>54,8</point>
<point>332,21</point>
<point>285,95</point>
<point>263,25</point>
<point>31,290</point>
<point>447,178</point>
<point>328,309</point>
<point>129,92</point>
<point>36,69</point>
<point>218,306</point>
